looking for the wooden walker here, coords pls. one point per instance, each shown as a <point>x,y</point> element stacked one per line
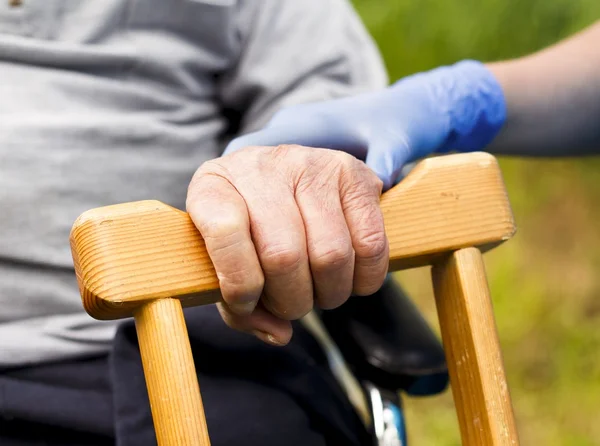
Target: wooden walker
<point>147,260</point>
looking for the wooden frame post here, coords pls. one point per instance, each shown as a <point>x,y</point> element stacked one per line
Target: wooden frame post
<point>473,355</point>
<point>173,390</point>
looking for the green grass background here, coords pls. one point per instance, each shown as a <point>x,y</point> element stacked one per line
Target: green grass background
<point>546,281</point>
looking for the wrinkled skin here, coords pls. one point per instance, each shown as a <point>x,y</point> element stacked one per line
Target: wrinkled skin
<point>288,228</point>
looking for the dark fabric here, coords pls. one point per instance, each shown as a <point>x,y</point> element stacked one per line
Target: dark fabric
<point>57,404</point>
<point>253,394</point>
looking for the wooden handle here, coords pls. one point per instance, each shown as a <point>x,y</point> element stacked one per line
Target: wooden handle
<point>171,380</point>
<point>128,253</point>
<point>472,349</point>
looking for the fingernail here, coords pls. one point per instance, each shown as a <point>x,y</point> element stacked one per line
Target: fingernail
<point>243,308</point>
<point>267,337</point>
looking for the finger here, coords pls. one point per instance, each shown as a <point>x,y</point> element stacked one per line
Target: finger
<point>387,157</point>
<point>280,241</point>
<point>260,323</point>
<point>360,196</point>
<point>221,216</point>
<point>330,251</point>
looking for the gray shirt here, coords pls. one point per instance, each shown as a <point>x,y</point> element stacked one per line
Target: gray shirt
<point>110,101</point>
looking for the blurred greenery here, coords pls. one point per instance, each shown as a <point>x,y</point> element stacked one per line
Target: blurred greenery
<point>545,282</point>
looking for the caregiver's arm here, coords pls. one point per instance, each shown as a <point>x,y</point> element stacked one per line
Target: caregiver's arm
<point>552,99</point>
<point>545,104</point>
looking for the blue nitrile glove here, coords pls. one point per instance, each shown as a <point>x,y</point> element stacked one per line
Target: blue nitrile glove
<point>458,107</point>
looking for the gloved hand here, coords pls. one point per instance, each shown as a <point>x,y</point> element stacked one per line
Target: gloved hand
<point>458,107</point>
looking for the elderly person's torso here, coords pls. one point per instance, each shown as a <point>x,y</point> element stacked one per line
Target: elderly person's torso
<point>111,101</point>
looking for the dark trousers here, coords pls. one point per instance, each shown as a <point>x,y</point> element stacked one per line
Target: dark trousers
<point>253,394</point>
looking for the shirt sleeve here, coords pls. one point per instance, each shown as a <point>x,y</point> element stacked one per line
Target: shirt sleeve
<point>297,51</point>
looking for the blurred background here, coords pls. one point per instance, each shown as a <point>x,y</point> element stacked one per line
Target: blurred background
<point>546,281</point>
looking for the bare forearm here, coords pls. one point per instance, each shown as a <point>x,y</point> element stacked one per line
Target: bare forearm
<point>553,99</point>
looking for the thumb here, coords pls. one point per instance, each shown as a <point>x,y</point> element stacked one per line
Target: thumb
<point>387,157</point>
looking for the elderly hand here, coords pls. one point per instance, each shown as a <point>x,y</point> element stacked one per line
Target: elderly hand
<point>288,228</point>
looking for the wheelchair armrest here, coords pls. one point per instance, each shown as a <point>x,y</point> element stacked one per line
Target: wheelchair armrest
<point>385,340</point>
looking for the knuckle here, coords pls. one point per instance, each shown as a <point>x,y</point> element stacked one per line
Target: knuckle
<point>281,259</point>
<point>224,228</point>
<point>205,179</point>
<point>283,149</point>
<point>208,167</point>
<point>332,256</point>
<point>348,162</point>
<point>358,180</point>
<point>377,184</point>
<point>225,240</point>
<point>371,245</point>
<point>241,285</point>
<point>277,160</point>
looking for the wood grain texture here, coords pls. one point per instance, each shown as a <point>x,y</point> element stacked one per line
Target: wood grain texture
<point>171,380</point>
<point>472,349</point>
<point>128,253</point>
